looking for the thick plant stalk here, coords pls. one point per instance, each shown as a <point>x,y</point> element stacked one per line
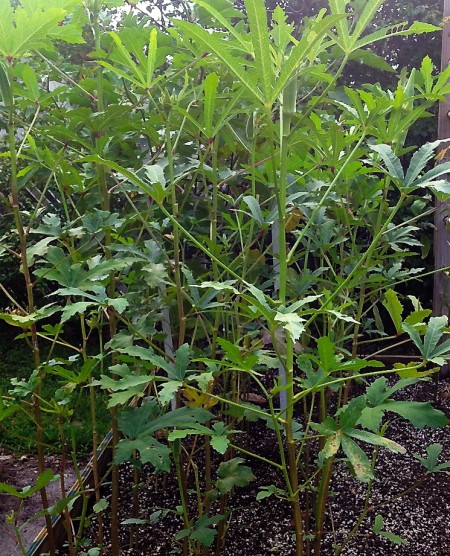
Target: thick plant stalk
<point>288,108</point>
<point>105,205</point>
<point>14,201</point>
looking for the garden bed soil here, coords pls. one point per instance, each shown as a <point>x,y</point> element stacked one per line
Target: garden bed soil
<point>420,518</point>
<point>264,528</point>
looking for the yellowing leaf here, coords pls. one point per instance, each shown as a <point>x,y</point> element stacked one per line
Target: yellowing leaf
<point>198,399</point>
<point>293,219</point>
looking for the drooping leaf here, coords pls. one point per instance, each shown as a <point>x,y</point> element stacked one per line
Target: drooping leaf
<point>358,459</point>
<point>202,530</point>
<point>43,480</point>
<point>332,445</point>
<point>394,308</point>
<point>376,440</point>
<point>233,474</point>
<point>150,451</point>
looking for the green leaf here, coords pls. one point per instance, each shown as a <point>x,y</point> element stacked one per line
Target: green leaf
<point>377,529</point>
<point>342,30</point>
<point>416,317</point>
<point>259,33</point>
<point>134,421</point>
<point>371,59</point>
<point>420,414</point>
<point>291,323</point>
<point>267,491</point>
<point>72,309</point>
<point>100,505</point>
<point>326,350</point>
<point>210,43</point>
<point>365,17</point>
<point>434,333</point>
<point>419,161</point>
<point>232,474</point>
<point>394,308</point>
<point>429,178</point>
<point>182,359</point>
<point>168,391</point>
<point>232,352</point>
<point>28,76</point>
<point>358,459</point>
<point>118,303</point>
<point>351,413</point>
<point>151,56</point>
<point>255,209</point>
<point>246,45</point>
<point>327,427</point>
<point>391,162</point>
<point>150,451</point>
<point>43,480</point>
<point>396,31</point>
<point>39,249</point>
<point>430,463</point>
<point>25,31</point>
<point>311,41</point>
<point>414,335</point>
<point>210,87</point>
<point>376,440</point>
<point>180,418</point>
<point>124,57</point>
<point>219,438</point>
<point>202,532</point>
<point>371,418</point>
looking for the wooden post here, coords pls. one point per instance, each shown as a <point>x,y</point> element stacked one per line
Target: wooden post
<point>441,292</point>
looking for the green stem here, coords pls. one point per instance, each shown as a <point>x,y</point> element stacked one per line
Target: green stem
<point>105,206</point>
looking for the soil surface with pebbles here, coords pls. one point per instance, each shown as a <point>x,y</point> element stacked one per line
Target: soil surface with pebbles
<point>262,528</point>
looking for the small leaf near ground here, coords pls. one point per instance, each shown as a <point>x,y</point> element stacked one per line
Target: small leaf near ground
<point>232,474</point>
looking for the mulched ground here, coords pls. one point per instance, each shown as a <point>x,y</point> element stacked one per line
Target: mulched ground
<point>420,518</point>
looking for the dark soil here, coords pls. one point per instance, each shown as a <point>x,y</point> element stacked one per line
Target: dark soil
<point>262,528</point>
